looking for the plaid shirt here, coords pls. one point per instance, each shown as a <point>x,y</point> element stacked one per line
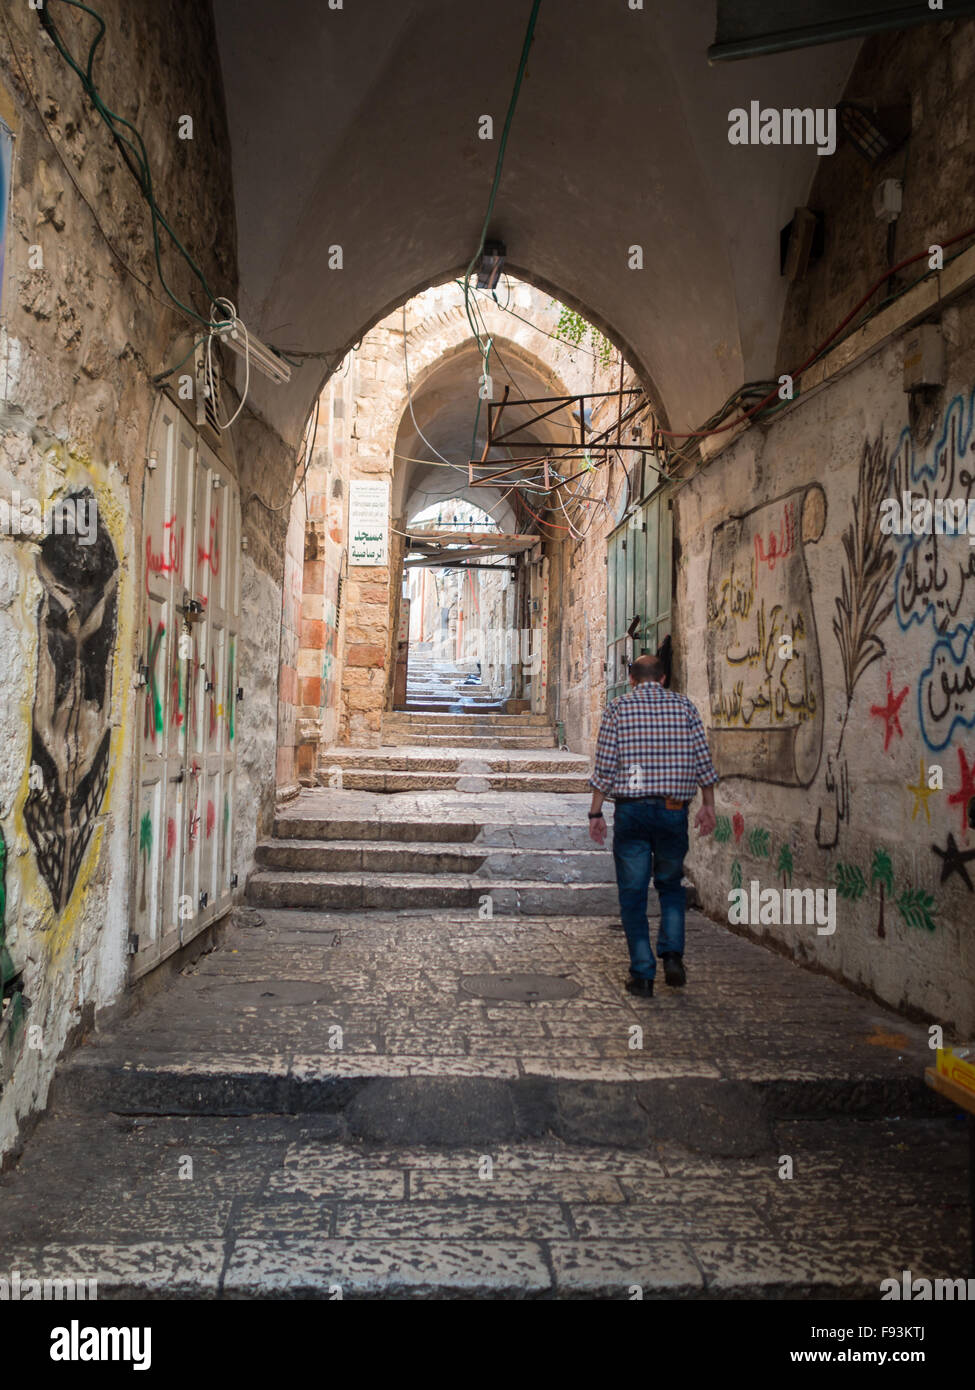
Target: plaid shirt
<point>652,743</point>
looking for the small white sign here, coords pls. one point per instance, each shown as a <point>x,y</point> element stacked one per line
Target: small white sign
<point>368,522</point>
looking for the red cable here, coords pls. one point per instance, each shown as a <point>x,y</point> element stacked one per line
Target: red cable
<point>553,524</point>
<point>753,410</point>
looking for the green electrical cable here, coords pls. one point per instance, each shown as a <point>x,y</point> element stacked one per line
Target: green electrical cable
<point>162,376</point>
<point>133,151</point>
<point>522,64</point>
<point>499,163</point>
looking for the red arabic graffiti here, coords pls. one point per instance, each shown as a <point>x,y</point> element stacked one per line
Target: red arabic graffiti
<point>781,545</point>
<point>168,560</point>
<point>211,556</point>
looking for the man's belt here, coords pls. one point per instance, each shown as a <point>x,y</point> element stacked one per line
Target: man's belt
<point>672,803</point>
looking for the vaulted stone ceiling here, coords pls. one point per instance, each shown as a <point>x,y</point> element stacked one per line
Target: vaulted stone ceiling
<point>358,127</point>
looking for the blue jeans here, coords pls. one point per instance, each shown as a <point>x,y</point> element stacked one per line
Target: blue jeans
<point>649,838</point>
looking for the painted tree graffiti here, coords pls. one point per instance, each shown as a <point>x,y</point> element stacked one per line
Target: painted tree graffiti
<point>785,865</point>
<point>882,877</point>
<point>862,607</point>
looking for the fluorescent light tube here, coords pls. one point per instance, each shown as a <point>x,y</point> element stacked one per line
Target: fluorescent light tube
<point>245,344</point>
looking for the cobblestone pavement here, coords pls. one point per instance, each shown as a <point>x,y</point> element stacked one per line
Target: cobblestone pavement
<point>392,982</point>
<point>462,1147</point>
<point>278,1206</point>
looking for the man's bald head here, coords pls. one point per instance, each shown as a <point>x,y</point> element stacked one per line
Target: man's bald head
<point>646,668</point>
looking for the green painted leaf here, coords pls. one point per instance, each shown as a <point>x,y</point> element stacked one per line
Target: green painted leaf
<point>850,882</point>
<point>917,908</point>
<point>760,842</point>
<point>722,830</point>
<point>736,874</point>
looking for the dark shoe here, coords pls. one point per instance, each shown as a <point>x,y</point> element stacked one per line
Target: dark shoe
<point>642,987</point>
<point>674,972</point>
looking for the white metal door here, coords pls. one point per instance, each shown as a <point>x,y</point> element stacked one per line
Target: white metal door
<point>187,719</point>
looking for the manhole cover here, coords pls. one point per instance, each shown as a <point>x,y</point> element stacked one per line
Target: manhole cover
<point>528,989</point>
<point>272,993</point>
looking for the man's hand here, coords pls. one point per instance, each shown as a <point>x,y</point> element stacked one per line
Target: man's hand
<point>598,831</point>
<point>705,820</point>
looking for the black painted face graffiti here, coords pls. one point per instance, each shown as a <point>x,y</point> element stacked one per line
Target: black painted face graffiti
<point>76,623</point>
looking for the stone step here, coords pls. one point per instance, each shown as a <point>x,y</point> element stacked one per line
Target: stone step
<point>378,781</point>
<point>536,738</point>
<point>271,888</point>
<point>294,824</point>
<point>405,857</point>
<point>478,762</point>
<point>455,721</point>
<point>452,706</point>
<point>395,1100</point>
<point>290,826</point>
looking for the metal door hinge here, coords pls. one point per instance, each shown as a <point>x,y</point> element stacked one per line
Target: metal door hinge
<point>204,899</point>
<point>133,944</point>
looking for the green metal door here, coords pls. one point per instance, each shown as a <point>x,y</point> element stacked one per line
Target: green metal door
<point>638,587</point>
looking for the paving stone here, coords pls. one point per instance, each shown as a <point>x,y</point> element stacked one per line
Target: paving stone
<point>304,1175</point>
<point>523,1186</point>
<point>476,1221</point>
<point>142,1269</point>
<point>436,1268</point>
<point>620,1269</point>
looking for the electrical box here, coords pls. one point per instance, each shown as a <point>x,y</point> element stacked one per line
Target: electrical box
<point>888,200</point>
<point>924,357</point>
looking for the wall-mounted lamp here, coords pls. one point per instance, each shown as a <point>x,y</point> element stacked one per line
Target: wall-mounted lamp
<point>874,133</point>
<point>492,262</point>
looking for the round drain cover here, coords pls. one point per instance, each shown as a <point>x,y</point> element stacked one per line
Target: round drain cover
<point>527,989</point>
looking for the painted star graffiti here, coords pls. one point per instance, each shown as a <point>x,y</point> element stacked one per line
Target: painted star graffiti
<point>954,860</point>
<point>965,794</point>
<point>922,794</point>
<point>890,712</point>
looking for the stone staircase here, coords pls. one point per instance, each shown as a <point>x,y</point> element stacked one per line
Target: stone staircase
<point>442,686</point>
<point>332,849</point>
<point>475,729</point>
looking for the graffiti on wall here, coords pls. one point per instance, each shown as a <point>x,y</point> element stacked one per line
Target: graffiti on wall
<point>70,735</point>
<point>862,606</point>
<point>764,672</point>
<point>935,583</point>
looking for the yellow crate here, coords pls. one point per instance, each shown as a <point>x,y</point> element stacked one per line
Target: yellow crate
<point>958,1065</point>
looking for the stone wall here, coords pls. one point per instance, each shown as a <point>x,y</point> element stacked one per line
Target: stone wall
<point>834,665</point>
<point>86,327</point>
<point>927,72</point>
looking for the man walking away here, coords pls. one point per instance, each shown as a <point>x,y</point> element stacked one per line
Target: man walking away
<point>651,757</point>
